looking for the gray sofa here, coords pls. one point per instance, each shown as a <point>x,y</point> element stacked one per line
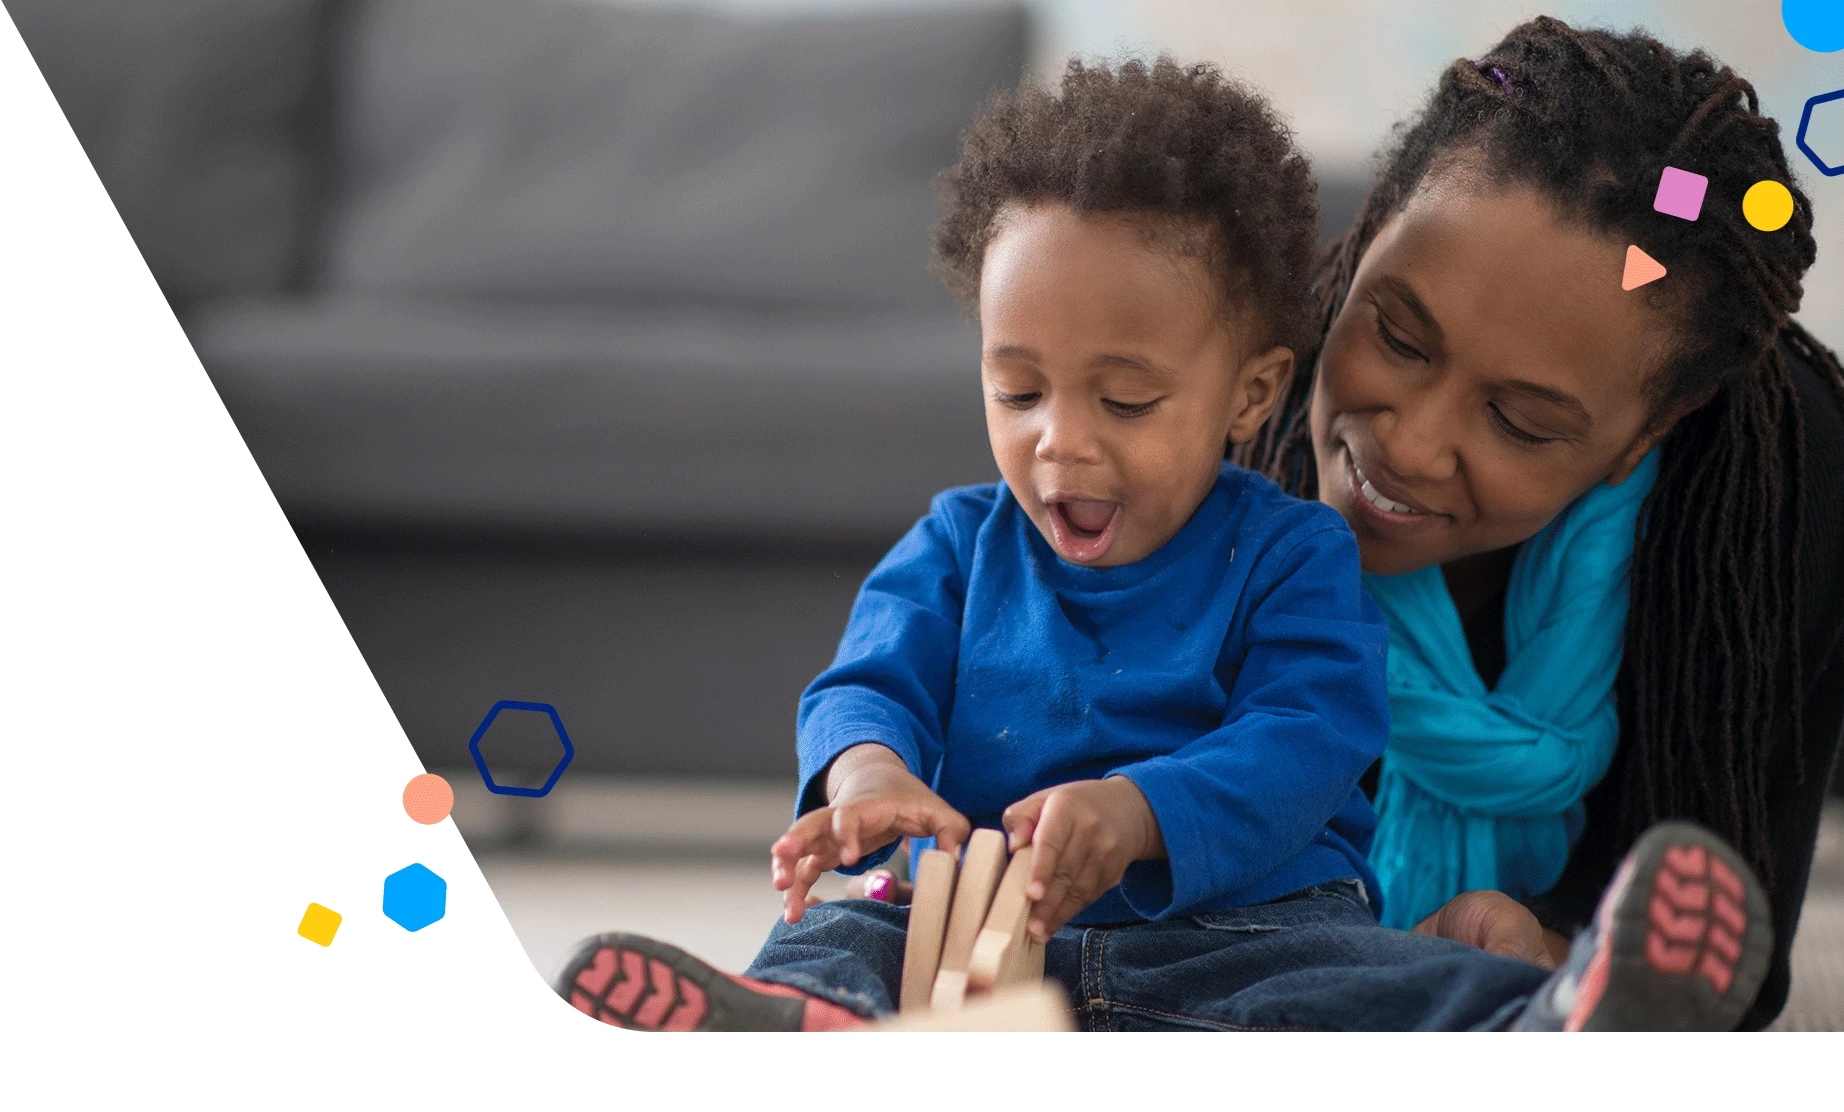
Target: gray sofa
<point>589,348</point>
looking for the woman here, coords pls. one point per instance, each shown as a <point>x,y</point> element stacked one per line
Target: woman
<point>1481,375</point>
<point>1605,523</point>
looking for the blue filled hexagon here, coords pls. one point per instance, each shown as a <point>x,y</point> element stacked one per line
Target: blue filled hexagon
<point>566,750</point>
<point>414,897</point>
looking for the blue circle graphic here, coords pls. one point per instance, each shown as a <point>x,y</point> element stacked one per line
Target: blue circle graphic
<point>1815,24</point>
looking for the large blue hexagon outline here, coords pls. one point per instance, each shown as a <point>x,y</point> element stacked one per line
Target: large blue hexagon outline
<point>1805,121</point>
<point>480,762</point>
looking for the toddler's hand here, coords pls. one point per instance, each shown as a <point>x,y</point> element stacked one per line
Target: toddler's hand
<point>1086,833</point>
<point>874,801</point>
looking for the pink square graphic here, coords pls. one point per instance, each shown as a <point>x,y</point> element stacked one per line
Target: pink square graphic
<point>1680,193</point>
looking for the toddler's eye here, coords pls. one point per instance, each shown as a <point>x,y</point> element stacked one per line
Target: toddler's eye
<point>1016,401</point>
<point>1125,409</point>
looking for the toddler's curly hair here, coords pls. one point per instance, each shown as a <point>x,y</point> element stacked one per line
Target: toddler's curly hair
<point>1184,143</point>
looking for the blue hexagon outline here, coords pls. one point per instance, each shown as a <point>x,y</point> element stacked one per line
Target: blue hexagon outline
<point>1805,121</point>
<point>410,874</point>
<point>480,762</point>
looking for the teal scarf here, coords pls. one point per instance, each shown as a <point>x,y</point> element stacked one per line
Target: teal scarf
<point>1483,789</point>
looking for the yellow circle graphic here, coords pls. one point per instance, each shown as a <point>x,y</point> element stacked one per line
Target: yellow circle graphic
<point>1768,205</point>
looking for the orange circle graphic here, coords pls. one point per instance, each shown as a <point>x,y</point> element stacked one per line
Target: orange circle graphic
<point>428,798</point>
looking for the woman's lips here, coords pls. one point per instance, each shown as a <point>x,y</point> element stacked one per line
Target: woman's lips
<point>1083,529</point>
<point>1378,508</point>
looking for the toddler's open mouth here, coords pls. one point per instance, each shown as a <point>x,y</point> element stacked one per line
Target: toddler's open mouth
<point>1084,528</point>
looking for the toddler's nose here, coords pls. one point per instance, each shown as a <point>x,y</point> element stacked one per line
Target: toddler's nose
<point>1068,438</point>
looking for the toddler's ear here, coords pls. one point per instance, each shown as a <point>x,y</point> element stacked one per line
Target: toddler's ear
<point>1260,381</point>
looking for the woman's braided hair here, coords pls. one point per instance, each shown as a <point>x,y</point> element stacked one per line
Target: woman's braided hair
<point>1591,118</point>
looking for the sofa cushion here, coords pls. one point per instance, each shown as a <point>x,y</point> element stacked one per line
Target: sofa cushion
<point>505,416</point>
<point>569,150</point>
<point>195,114</point>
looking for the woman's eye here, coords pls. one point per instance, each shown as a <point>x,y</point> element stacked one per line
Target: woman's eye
<point>1505,425</point>
<point>1016,401</point>
<point>1127,409</point>
<point>1395,343</point>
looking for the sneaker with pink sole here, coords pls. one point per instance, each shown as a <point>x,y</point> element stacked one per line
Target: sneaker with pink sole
<point>643,984</point>
<point>1681,942</point>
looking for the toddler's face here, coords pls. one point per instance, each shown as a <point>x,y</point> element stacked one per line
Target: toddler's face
<point>1114,379</point>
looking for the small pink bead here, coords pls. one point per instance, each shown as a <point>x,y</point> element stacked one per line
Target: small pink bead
<point>878,887</point>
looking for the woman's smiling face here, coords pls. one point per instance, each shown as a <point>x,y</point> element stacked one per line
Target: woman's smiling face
<point>1486,370</point>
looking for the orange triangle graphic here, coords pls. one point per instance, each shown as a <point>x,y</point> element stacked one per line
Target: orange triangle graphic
<point>1640,269</point>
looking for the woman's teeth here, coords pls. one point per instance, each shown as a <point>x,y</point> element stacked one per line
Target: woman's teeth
<point>1370,494</point>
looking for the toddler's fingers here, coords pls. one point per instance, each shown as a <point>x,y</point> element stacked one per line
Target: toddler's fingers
<point>784,855</point>
<point>810,869</point>
<point>1066,891</point>
<point>782,869</point>
<point>1020,821</point>
<point>948,827</point>
<point>858,826</point>
<point>794,902</point>
<point>1050,837</point>
<point>1078,884</point>
<point>1046,912</point>
<point>806,874</point>
<point>802,838</point>
<point>1072,904</point>
<point>1056,887</point>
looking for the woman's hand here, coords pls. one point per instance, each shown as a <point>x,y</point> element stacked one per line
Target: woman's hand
<point>1086,833</point>
<point>873,799</point>
<point>1497,924</point>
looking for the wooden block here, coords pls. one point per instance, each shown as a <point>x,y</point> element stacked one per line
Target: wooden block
<point>980,868</point>
<point>1033,967</point>
<point>1023,964</point>
<point>950,990</point>
<point>999,949</point>
<point>928,925</point>
<point>1034,1007</point>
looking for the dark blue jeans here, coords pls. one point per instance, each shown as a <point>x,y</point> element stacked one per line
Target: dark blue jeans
<point>1312,961</point>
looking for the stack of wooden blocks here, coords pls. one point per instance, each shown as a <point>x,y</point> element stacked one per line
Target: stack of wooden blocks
<point>967,926</point>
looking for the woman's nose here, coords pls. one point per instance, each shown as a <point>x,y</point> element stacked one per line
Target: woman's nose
<point>1417,436</point>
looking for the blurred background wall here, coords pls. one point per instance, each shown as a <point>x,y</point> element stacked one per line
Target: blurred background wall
<point>588,343</point>
<point>1344,71</point>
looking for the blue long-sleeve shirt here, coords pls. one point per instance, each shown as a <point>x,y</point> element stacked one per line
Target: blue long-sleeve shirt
<point>1236,676</point>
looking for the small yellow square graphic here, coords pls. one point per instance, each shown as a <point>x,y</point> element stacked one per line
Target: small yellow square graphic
<point>319,924</point>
